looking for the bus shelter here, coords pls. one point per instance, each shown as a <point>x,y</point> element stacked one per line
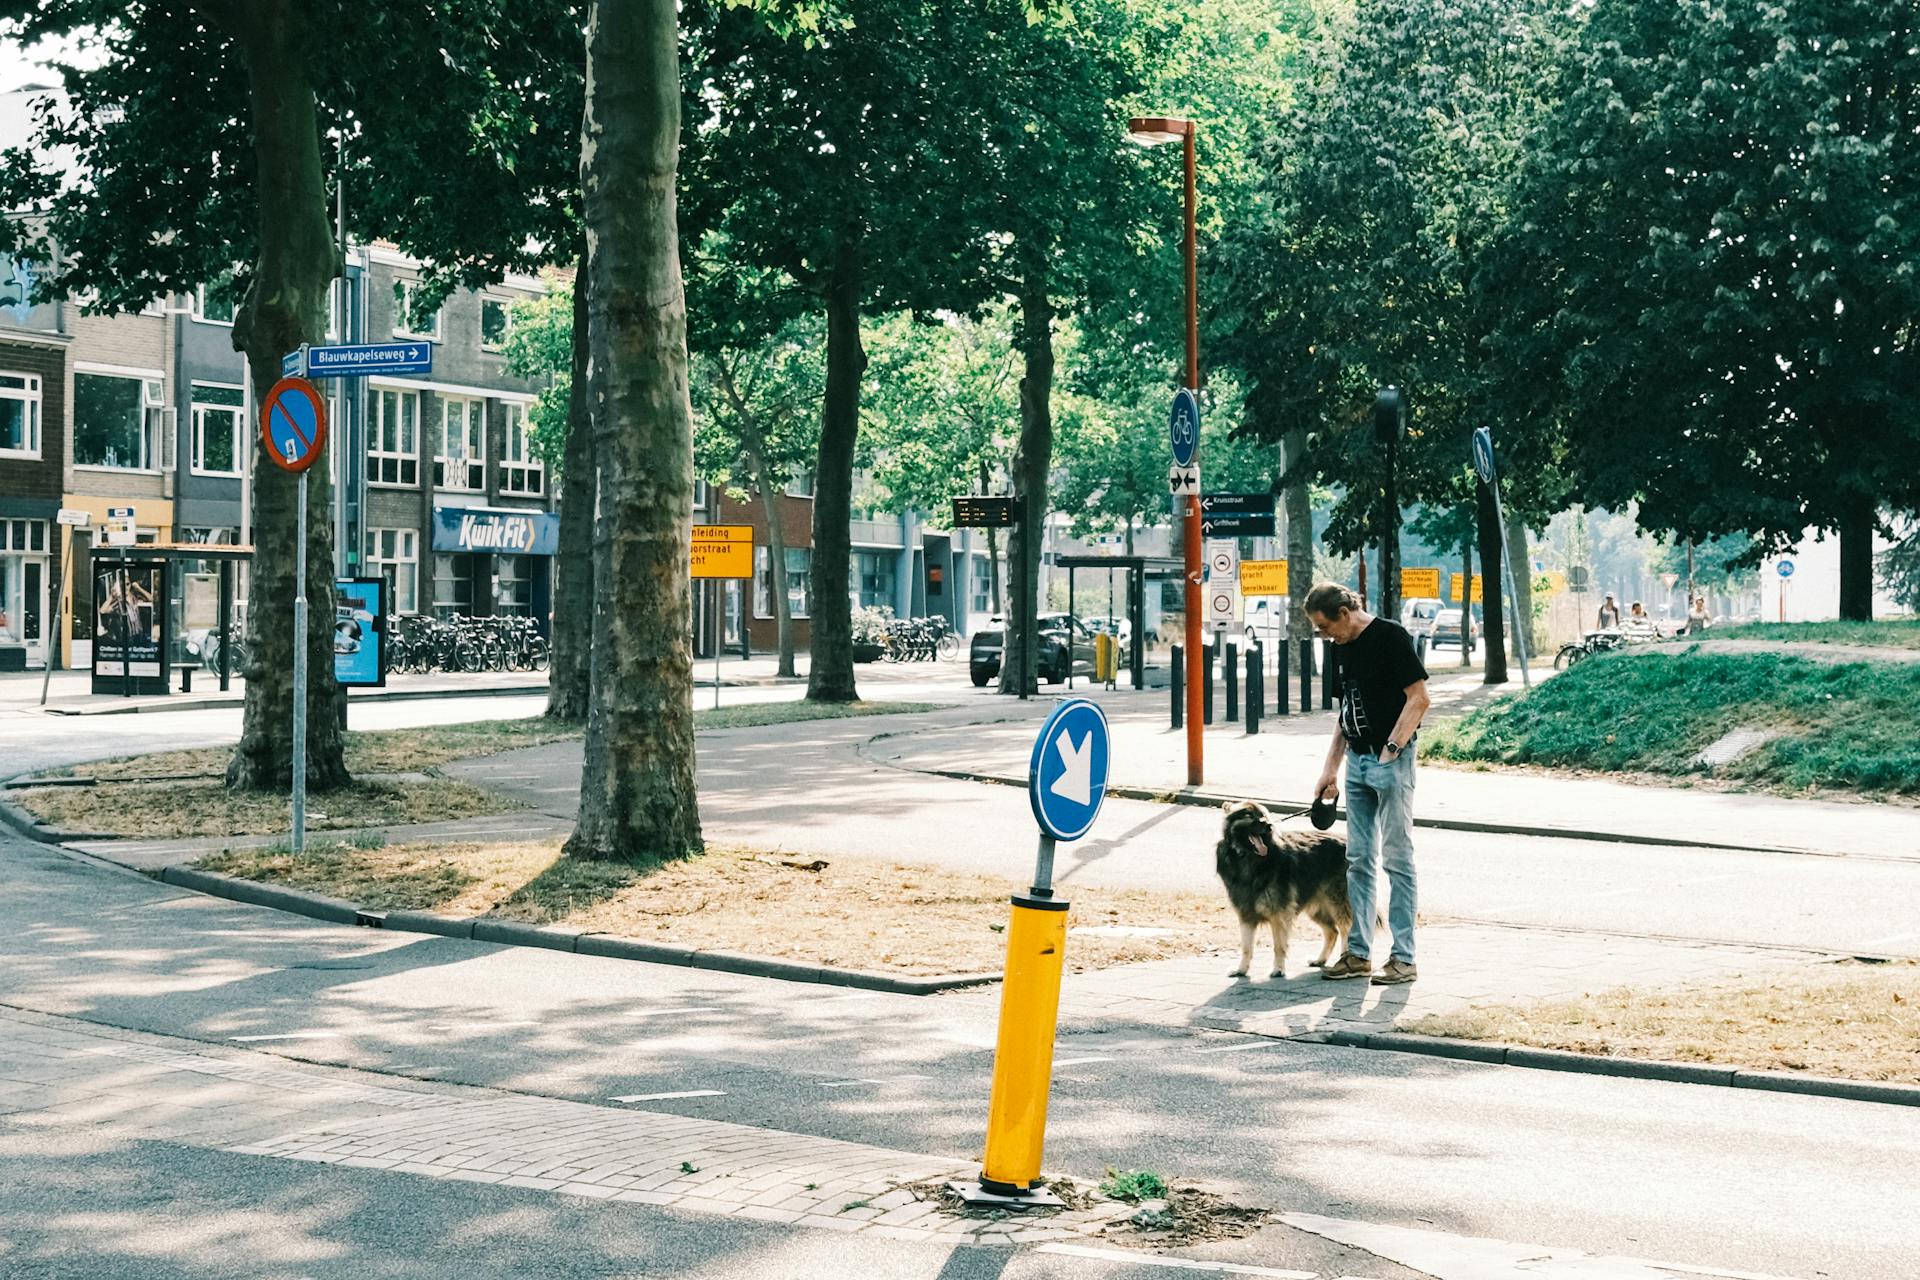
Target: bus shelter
<point>154,605</point>
<point>1142,573</point>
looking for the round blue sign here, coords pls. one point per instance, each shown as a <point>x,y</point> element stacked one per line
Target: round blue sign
<point>1786,568</point>
<point>1067,775</point>
<point>1183,428</point>
<point>1483,454</point>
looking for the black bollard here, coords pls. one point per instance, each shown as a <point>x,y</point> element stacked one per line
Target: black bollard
<point>1326,675</point>
<point>1256,692</point>
<point>1306,676</point>
<point>1177,666</point>
<point>1280,678</point>
<point>1230,667</point>
<point>1206,686</point>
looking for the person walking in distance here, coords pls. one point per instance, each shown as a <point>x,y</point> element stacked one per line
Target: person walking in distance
<point>1383,697</point>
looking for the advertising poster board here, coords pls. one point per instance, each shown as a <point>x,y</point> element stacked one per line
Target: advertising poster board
<point>130,624</point>
<point>360,632</point>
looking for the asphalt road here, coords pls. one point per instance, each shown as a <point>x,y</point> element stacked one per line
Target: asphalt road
<point>1717,1178</point>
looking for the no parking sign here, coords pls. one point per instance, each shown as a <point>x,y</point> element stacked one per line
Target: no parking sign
<point>293,424</point>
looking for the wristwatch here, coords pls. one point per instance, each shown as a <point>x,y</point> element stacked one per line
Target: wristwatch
<point>1393,746</point>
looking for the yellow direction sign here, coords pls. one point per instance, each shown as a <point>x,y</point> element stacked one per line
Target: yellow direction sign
<point>723,551</point>
<point>1476,588</point>
<point>1263,577</point>
<point>1419,584</point>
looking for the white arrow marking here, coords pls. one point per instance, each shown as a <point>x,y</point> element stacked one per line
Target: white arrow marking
<point>1076,782</point>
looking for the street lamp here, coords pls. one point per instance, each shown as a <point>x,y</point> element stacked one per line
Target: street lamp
<point>1153,131</point>
<point>1389,424</point>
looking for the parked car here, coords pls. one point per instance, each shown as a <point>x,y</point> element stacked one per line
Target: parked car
<point>1066,644</point>
<point>1266,621</point>
<point>1419,614</point>
<point>1446,630</point>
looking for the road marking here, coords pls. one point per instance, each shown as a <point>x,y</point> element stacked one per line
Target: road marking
<point>1242,1048</point>
<point>1074,1062</point>
<point>291,1035</point>
<point>1135,1259</point>
<point>846,1084</point>
<point>657,1013</point>
<point>662,1097</point>
<point>477,1026</point>
<point>1450,1257</point>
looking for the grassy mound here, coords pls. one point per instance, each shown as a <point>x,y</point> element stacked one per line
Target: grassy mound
<point>1842,725</point>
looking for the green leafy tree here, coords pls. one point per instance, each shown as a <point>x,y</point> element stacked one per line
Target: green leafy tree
<point>1715,255</point>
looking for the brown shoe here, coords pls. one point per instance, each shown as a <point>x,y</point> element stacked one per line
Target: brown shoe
<point>1396,972</point>
<point>1348,965</point>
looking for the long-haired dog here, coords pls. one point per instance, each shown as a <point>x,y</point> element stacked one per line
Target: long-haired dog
<point>1272,878</point>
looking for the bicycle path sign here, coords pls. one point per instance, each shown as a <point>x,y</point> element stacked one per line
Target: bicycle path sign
<point>293,424</point>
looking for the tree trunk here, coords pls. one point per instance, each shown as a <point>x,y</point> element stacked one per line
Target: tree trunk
<point>776,558</point>
<point>830,671</point>
<point>569,685</point>
<point>285,307</point>
<point>993,554</point>
<point>637,798</point>
<point>1522,579</point>
<point>1299,500</point>
<point>1857,520</point>
<point>1493,628</point>
<point>1033,458</point>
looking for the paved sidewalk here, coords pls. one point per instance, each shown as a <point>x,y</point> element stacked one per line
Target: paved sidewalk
<point>1280,764</point>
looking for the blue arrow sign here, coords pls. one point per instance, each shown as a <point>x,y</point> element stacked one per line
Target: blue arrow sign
<point>1067,775</point>
<point>368,359</point>
<point>1183,428</point>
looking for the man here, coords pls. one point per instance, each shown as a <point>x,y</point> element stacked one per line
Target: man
<point>1609,614</point>
<point>1383,697</point>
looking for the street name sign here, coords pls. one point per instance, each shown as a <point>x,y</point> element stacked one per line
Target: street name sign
<point>360,360</point>
<point>1420,583</point>
<point>722,551</point>
<point>1237,515</point>
<point>293,424</point>
<point>1263,577</point>
<point>75,517</point>
<point>1183,428</point>
<point>1067,773</point>
<point>976,512</point>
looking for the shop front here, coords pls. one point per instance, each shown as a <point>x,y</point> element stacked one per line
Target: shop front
<point>494,560</point>
<point>25,574</point>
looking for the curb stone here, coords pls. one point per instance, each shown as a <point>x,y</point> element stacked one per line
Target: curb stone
<point>25,824</point>
<point>512,933</point>
<point>1513,1055</point>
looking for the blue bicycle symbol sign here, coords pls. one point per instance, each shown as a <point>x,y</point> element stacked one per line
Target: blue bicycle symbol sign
<point>1183,427</point>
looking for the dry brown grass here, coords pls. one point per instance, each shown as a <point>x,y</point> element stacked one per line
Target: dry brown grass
<point>849,912</point>
<point>1855,1021</point>
<point>168,810</point>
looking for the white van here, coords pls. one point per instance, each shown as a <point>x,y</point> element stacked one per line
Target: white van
<point>1419,614</point>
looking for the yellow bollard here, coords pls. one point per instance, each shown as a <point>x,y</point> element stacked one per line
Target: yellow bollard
<point>1103,646</point>
<point>1023,1059</point>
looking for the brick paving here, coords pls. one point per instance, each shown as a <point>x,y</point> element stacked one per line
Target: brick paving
<point>57,1072</point>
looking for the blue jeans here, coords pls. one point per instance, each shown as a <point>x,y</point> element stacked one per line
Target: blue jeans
<point>1380,830</point>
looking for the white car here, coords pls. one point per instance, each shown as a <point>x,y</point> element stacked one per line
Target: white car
<point>1266,621</point>
<point>1420,614</point>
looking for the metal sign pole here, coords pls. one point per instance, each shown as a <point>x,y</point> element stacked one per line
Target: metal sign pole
<point>1513,599</point>
<point>300,676</point>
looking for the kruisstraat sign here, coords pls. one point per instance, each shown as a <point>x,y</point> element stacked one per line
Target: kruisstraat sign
<point>495,531</point>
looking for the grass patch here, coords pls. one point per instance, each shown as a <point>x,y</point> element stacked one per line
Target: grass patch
<point>1844,725</point>
<point>1854,1021</point>
<point>752,714</point>
<point>849,912</point>
<point>429,746</point>
<point>167,810</point>
<point>1889,633</point>
<point>1133,1184</point>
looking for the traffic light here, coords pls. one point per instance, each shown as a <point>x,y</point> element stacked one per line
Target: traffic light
<point>1389,415</point>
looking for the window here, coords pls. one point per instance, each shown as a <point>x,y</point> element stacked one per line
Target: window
<point>393,448</point>
<point>460,450</point>
<point>396,558</point>
<point>217,417</point>
<point>215,306</point>
<point>520,471</point>
<point>513,585</point>
<point>799,561</point>
<point>980,583</point>
<point>801,486</point>
<point>452,585</point>
<point>116,421</point>
<point>411,317</point>
<point>496,322</point>
<point>20,414</point>
<point>700,495</point>
<point>877,570</point>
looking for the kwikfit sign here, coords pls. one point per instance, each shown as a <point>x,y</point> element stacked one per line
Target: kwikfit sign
<point>507,533</point>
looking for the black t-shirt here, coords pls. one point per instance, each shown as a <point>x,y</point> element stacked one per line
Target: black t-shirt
<point>1375,668</point>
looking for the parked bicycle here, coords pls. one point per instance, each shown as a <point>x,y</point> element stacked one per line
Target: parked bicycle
<point>458,644</point>
<point>920,640</point>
